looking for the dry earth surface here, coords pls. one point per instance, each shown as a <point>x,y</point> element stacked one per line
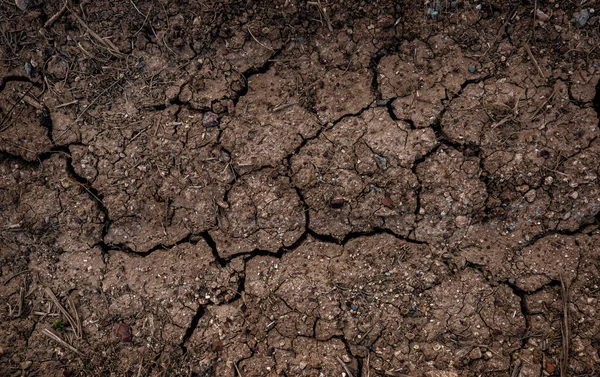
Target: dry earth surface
<point>297,188</point>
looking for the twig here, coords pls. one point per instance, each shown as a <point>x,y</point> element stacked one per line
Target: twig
<point>257,41</point>
<point>517,371</point>
<point>106,42</point>
<point>14,276</point>
<point>56,16</point>
<point>283,107</point>
<point>534,61</point>
<point>65,104</point>
<point>345,367</point>
<point>237,370</point>
<point>75,324</point>
<point>57,338</point>
<point>535,3</point>
<point>90,105</point>
<point>564,364</point>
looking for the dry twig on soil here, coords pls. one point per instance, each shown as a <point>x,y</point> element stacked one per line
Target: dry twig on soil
<point>72,319</point>
<point>57,338</point>
<point>564,362</point>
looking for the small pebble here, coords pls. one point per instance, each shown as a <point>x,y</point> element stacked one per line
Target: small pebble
<point>511,281</point>
<point>475,354</point>
<point>353,307</point>
<point>210,120</point>
<point>337,203</point>
<point>28,68</point>
<point>581,18</point>
<point>472,69</point>
<point>530,196</point>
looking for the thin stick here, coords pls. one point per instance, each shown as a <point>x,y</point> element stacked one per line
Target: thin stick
<point>257,41</point>
<point>517,371</point>
<point>345,367</point>
<point>106,42</point>
<point>534,61</point>
<point>90,105</point>
<point>57,338</point>
<point>237,370</point>
<point>56,16</point>
<point>74,324</point>
<point>564,364</point>
<point>283,107</point>
<point>65,104</point>
<point>534,16</point>
<point>14,276</point>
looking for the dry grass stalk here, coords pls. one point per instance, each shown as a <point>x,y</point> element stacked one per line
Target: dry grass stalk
<point>58,339</point>
<point>72,319</point>
<point>564,362</point>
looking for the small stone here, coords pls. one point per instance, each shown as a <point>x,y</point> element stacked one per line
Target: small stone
<point>461,221</point>
<point>388,202</point>
<point>353,307</point>
<point>472,69</point>
<point>581,18</point>
<point>409,336</point>
<point>548,181</point>
<point>28,68</point>
<point>550,368</point>
<point>574,195</point>
<point>530,196</point>
<point>210,120</point>
<point>475,354</point>
<point>337,203</point>
<point>123,332</point>
<point>381,162</point>
<point>488,355</point>
<point>541,15</point>
<point>23,4</point>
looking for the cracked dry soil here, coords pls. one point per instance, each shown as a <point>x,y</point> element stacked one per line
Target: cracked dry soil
<point>292,188</point>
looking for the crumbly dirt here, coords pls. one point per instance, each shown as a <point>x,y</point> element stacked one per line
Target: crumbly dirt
<point>293,188</point>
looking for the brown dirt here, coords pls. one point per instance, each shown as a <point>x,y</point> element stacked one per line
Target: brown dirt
<point>292,188</point>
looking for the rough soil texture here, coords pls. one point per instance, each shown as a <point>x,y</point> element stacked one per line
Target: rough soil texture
<point>292,188</point>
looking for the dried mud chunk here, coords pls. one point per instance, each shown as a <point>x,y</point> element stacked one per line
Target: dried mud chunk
<point>221,339</point>
<point>361,161</point>
<point>583,85</point>
<point>23,131</point>
<point>81,270</point>
<point>176,280</point>
<point>270,122</point>
<point>423,108</point>
<point>450,188</point>
<point>548,259</point>
<point>339,286</point>
<point>264,213</point>
<point>46,201</point>
<point>478,312</point>
<point>160,188</point>
<point>212,82</point>
<point>343,93</point>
